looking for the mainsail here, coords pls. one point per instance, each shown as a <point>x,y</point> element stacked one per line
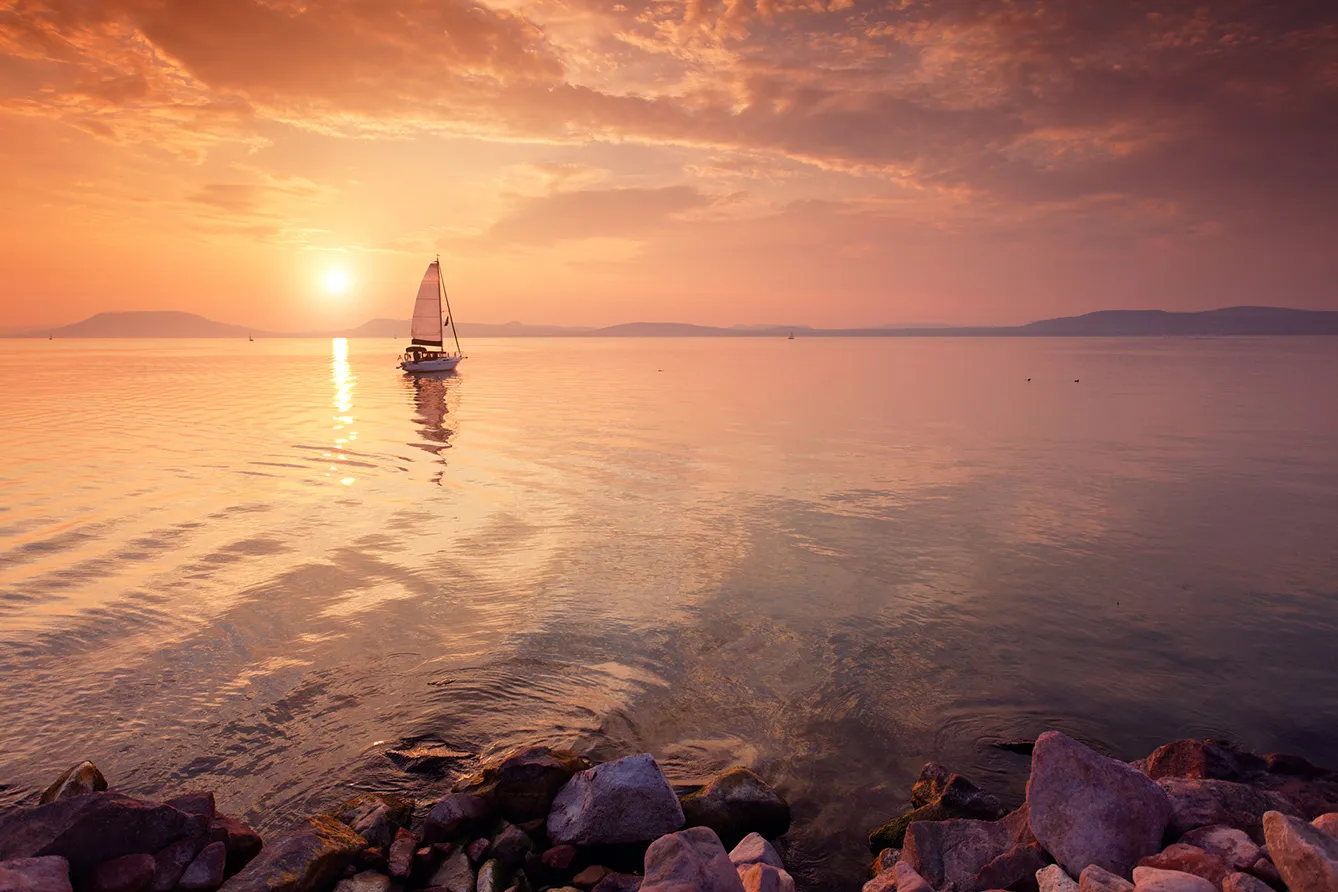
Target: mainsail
<point>426,329</point>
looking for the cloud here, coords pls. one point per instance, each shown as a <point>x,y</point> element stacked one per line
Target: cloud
<point>594,213</point>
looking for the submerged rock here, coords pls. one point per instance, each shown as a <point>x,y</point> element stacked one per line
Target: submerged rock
<point>523,784</point>
<point>50,873</point>
<point>755,849</point>
<point>938,795</point>
<point>692,860</point>
<point>90,829</point>
<point>737,803</point>
<point>76,781</point>
<point>1305,856</point>
<point>425,757</point>
<point>624,801</point>
<point>374,816</point>
<point>308,859</point>
<point>953,851</point>
<point>1085,808</point>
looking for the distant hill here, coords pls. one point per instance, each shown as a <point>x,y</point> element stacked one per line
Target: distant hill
<point>1230,321</point>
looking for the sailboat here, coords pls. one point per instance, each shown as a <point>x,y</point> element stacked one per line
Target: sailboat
<point>791,337</point>
<point>426,351</point>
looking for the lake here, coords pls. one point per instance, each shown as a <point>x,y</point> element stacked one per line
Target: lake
<point>253,567</point>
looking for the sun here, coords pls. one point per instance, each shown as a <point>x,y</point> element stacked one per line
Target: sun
<point>337,281</point>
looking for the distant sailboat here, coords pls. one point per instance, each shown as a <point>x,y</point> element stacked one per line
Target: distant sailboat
<point>426,351</point>
<point>791,337</point>
<point>249,338</point>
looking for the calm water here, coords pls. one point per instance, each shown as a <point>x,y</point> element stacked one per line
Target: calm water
<point>250,566</point>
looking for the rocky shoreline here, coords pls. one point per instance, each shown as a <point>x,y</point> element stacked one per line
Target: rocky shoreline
<point>1195,816</point>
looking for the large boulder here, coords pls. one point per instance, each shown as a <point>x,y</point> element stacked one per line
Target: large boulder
<point>692,860</point>
<point>374,816</point>
<point>456,813</point>
<point>76,781</point>
<point>1233,846</point>
<point>50,873</point>
<point>307,859</point>
<point>1085,808</point>
<point>1189,859</point>
<point>1205,759</point>
<point>953,851</point>
<point>624,801</point>
<point>523,784</point>
<point>1153,879</point>
<point>938,795</point>
<point>737,803</point>
<point>1306,857</point>
<point>96,827</point>
<point>1199,803</point>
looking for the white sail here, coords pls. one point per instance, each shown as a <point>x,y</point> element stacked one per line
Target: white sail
<point>426,328</point>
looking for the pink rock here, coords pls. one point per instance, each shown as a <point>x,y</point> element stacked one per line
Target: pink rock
<point>1098,879</point>
<point>206,871</point>
<point>172,861</point>
<point>242,843</point>
<point>50,873</point>
<point>455,813</point>
<point>1015,869</point>
<point>886,860</point>
<point>1189,859</point>
<point>623,801</point>
<point>755,849</point>
<point>1054,879</point>
<point>311,856</point>
<point>558,857</point>
<point>1152,879</point>
<point>1243,882</point>
<point>1200,803</point>
<point>1231,845</point>
<point>908,880</point>
<point>759,877</point>
<point>690,860</point>
<point>477,849</point>
<point>1018,823</point>
<point>953,851</point>
<point>619,882</point>
<point>197,803</point>
<point>1328,823</point>
<point>1264,870</point>
<point>399,862</point>
<point>1201,759</point>
<point>129,873</point>
<point>1088,809</point>
<point>883,882</point>
<point>1306,857</point>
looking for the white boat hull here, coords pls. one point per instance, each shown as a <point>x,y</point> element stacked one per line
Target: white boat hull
<point>436,364</point>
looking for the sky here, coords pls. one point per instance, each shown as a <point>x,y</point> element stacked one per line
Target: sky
<point>295,164</point>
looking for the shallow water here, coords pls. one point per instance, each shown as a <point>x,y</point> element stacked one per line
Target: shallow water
<point>250,566</point>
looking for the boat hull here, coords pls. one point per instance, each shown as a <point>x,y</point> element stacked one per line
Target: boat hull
<point>436,364</point>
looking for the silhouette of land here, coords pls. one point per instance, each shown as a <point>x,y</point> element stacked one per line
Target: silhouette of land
<point>1230,321</point>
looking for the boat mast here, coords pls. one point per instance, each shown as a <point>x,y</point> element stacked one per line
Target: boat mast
<point>449,315</point>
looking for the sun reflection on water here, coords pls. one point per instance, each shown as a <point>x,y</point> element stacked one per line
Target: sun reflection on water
<point>341,375</point>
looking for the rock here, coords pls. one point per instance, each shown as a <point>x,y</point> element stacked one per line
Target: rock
<point>1243,882</point>
<point>1098,879</point>
<point>199,803</point>
<point>885,882</point>
<point>953,851</point>
<point>171,862</point>
<point>128,873</point>
<point>454,875</point>
<point>1233,846</point>
<point>908,880</point>
<point>691,860</point>
<point>761,877</point>
<point>90,829</point>
<point>737,803</point>
<point>399,859</point>
<point>523,784</point>
<point>1189,859</point>
<point>1085,808</point>
<point>76,781</point>
<point>425,757</point>
<point>1264,870</point>
<point>374,817</point>
<point>1020,745</point>
<point>1019,826</point>
<point>511,845</point>
<point>1204,759</point>
<point>1305,856</point>
<point>590,877</point>
<point>206,872</point>
<point>242,843</point>
<point>366,881</point>
<point>955,793</point>
<point>624,801</point>
<point>883,861</point>
<point>619,882</point>
<point>50,873</point>
<point>307,859</point>
<point>558,857</point>
<point>455,813</point>
<point>754,849</point>
<point>1296,766</point>
<point>477,849</point>
<point>371,859</point>
<point>1327,823</point>
<point>1152,879</point>
<point>1014,869</point>
<point>493,877</point>
<point>1199,803</point>
<point>1053,879</point>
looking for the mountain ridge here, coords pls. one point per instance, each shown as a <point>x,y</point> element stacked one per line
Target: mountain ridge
<point>1226,321</point>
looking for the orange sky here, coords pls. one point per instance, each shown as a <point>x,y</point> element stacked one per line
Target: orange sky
<point>826,162</point>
